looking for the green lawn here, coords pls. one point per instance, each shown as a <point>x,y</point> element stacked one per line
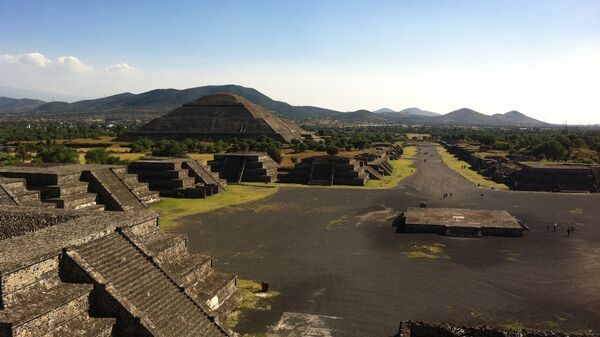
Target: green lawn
<point>464,169</point>
<point>172,209</point>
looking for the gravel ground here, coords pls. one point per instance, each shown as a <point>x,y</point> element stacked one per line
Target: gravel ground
<point>333,252</point>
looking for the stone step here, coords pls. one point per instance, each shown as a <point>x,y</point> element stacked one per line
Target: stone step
<point>214,289</point>
<point>85,326</point>
<point>165,247</point>
<point>185,182</point>
<point>189,269</point>
<point>46,311</point>
<point>166,174</point>
<point>144,286</point>
<point>74,201</point>
<point>58,191</point>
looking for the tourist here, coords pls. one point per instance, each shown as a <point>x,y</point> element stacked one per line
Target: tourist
<point>568,231</point>
<point>555,225</point>
<point>572,230</point>
<point>548,228</point>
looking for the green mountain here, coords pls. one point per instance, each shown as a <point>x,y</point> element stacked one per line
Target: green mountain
<point>14,105</point>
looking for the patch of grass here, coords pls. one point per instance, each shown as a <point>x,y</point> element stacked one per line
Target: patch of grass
<point>204,157</point>
<point>172,209</point>
<point>130,156</point>
<point>464,169</point>
<point>434,251</point>
<point>251,298</point>
<point>576,211</point>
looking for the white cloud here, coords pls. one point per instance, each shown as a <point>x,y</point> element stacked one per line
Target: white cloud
<point>67,63</point>
<point>120,67</point>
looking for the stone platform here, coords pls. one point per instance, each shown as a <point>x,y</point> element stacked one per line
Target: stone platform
<point>178,177</point>
<point>78,186</point>
<point>327,170</point>
<point>458,222</point>
<point>244,167</point>
<point>82,273</point>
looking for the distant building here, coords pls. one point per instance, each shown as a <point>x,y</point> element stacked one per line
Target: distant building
<point>219,116</point>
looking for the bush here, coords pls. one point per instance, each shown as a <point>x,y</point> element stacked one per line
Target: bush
<point>55,153</point>
<point>101,156</point>
<point>142,145</point>
<point>332,150</point>
<point>551,150</point>
<point>169,148</point>
<point>275,154</point>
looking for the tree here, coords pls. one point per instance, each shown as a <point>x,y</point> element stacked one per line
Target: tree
<point>551,150</point>
<point>142,145</point>
<point>169,148</point>
<point>55,153</point>
<point>332,150</point>
<point>275,154</point>
<point>101,156</point>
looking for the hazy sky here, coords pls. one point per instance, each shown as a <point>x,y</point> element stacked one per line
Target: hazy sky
<point>539,57</point>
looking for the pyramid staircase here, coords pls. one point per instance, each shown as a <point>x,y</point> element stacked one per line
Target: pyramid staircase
<point>177,177</point>
<point>244,167</point>
<point>13,191</point>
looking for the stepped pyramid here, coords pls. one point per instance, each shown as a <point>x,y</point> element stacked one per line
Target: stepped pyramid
<point>218,116</point>
<point>100,274</point>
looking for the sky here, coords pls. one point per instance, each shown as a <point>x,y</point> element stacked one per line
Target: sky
<point>538,57</point>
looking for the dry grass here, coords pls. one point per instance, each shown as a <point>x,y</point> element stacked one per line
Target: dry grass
<point>173,209</point>
<point>464,169</point>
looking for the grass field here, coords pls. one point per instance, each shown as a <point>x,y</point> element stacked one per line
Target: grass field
<point>464,169</point>
<point>172,209</point>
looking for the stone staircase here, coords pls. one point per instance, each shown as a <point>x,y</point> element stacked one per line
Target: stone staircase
<point>112,190</point>
<point>13,191</point>
<point>41,305</point>
<point>177,177</point>
<point>245,167</point>
<point>136,281</point>
<point>140,189</point>
<point>192,271</point>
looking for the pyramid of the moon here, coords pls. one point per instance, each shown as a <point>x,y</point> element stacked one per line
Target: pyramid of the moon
<point>219,116</point>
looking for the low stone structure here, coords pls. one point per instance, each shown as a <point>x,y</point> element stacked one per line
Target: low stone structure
<point>82,273</point>
<point>458,222</point>
<point>75,186</point>
<point>376,164</point>
<point>327,170</point>
<point>428,329</point>
<point>178,177</point>
<point>556,177</point>
<point>219,116</point>
<point>244,166</point>
<point>13,191</point>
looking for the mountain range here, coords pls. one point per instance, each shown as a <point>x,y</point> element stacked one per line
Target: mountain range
<point>159,101</point>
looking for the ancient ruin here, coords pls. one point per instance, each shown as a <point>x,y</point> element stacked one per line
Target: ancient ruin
<point>327,170</point>
<point>178,177</point>
<point>219,116</point>
<point>458,222</point>
<point>428,329</point>
<point>535,176</point>
<point>244,166</point>
<point>376,164</point>
<point>81,273</point>
<point>76,186</point>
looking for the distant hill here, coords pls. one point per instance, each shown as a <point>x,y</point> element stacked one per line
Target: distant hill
<point>14,105</point>
<point>383,110</point>
<point>160,101</point>
<point>419,112</point>
<point>364,116</point>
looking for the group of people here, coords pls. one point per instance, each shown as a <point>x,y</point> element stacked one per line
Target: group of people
<point>570,229</point>
<point>447,195</point>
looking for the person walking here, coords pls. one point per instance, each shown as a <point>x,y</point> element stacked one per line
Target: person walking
<point>568,231</point>
<point>572,230</point>
<point>555,225</point>
<point>548,228</point>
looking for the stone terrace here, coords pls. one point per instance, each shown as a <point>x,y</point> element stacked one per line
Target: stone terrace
<point>62,279</point>
<point>244,166</point>
<point>327,170</point>
<point>178,177</point>
<point>75,186</point>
